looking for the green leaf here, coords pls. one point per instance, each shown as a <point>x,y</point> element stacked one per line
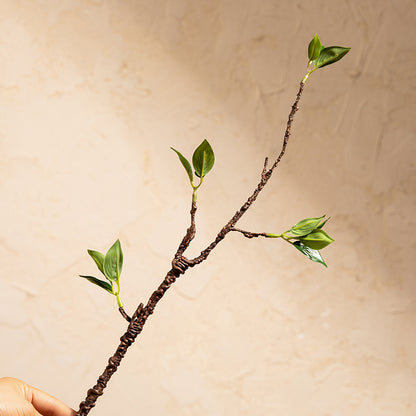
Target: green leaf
<point>305,226</point>
<point>185,164</point>
<point>98,282</point>
<point>314,48</point>
<point>317,239</point>
<point>203,159</point>
<point>323,223</point>
<point>113,262</point>
<point>330,55</point>
<point>310,253</point>
<point>98,258</point>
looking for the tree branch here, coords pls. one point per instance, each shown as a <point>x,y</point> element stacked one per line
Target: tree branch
<point>179,266</point>
<point>264,179</point>
<point>124,314</point>
<point>139,318</point>
<point>263,173</point>
<point>190,233</point>
<point>249,234</point>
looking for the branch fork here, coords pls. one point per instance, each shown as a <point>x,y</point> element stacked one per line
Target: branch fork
<point>180,265</point>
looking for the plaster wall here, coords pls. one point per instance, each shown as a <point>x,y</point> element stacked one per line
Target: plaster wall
<point>93,94</point>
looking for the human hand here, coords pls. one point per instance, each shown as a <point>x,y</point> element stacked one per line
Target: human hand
<point>19,399</point>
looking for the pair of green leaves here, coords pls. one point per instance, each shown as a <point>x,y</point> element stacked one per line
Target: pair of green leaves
<point>311,238</point>
<point>110,266</point>
<point>202,160</point>
<point>321,56</point>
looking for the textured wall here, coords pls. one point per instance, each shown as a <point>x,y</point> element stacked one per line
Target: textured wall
<point>93,93</point>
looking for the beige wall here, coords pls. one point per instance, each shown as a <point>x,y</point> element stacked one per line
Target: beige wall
<point>92,95</point>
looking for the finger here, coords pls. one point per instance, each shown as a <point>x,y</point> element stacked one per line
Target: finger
<point>18,408</point>
<point>48,405</point>
<point>26,410</point>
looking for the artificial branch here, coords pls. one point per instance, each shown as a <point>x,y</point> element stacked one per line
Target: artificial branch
<point>308,232</point>
<point>179,266</point>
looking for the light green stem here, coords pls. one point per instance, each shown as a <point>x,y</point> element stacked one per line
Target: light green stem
<point>283,236</point>
<point>120,303</point>
<point>201,179</point>
<point>274,235</point>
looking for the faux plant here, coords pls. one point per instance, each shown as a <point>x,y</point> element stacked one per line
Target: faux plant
<point>307,235</point>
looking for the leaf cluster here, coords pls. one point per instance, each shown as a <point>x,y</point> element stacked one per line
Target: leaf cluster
<point>310,237</point>
<point>110,265</point>
<point>202,160</point>
<point>320,56</point>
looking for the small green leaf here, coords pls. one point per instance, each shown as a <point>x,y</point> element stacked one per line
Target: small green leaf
<point>330,55</point>
<point>305,226</point>
<point>203,159</point>
<point>314,48</point>
<point>98,258</point>
<point>185,164</point>
<point>98,282</point>
<point>310,253</point>
<point>323,223</point>
<point>113,262</point>
<point>317,239</point>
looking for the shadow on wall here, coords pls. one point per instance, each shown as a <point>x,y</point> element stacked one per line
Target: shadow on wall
<point>352,115</point>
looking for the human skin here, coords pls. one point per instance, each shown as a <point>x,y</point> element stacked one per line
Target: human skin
<point>19,399</point>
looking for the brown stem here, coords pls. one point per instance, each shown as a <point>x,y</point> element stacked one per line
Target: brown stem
<point>124,314</point>
<point>134,329</point>
<point>264,179</point>
<point>190,233</point>
<point>263,173</point>
<point>249,234</point>
<point>179,266</point>
<point>139,318</point>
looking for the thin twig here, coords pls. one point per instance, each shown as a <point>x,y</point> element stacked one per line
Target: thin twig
<point>263,173</point>
<point>249,234</point>
<point>124,314</point>
<point>190,233</point>
<point>227,228</point>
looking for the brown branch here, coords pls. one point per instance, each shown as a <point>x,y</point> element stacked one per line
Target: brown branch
<point>139,318</point>
<point>249,234</point>
<point>263,173</point>
<point>190,233</point>
<point>179,266</point>
<point>124,314</point>
<point>134,329</point>
<point>264,179</point>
